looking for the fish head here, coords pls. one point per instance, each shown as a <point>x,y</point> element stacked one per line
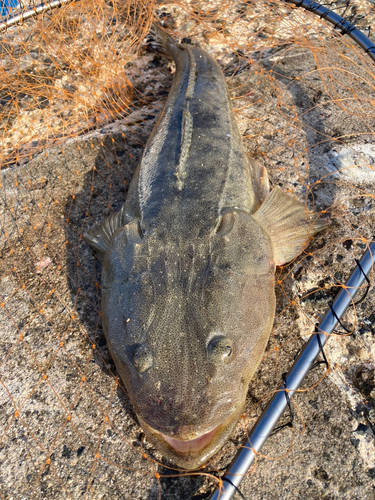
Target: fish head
<point>187,323</point>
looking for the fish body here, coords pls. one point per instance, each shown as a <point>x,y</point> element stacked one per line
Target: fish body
<point>188,265</point>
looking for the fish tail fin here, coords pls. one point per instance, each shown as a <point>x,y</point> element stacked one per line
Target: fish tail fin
<point>159,41</point>
<point>287,223</point>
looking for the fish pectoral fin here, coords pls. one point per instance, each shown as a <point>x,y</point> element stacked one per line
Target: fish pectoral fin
<point>100,234</point>
<point>260,184</point>
<point>287,223</point>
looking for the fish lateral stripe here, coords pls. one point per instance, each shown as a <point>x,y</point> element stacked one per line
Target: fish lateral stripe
<point>192,74</point>
<point>186,138</point>
<point>187,123</point>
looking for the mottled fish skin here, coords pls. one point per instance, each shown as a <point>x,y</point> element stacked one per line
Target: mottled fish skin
<point>188,265</point>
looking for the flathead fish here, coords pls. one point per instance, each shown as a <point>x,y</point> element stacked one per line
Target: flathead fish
<point>189,263</point>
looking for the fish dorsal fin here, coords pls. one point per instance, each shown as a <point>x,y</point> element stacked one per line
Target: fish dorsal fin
<point>287,223</point>
<point>100,234</point>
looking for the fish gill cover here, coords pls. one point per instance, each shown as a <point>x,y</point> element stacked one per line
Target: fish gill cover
<point>79,95</point>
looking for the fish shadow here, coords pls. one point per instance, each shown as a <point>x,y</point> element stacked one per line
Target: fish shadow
<point>319,135</point>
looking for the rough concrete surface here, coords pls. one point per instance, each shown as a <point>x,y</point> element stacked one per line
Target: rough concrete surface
<point>67,429</point>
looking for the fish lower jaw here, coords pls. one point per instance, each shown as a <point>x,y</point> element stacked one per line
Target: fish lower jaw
<point>191,453</point>
<point>191,445</point>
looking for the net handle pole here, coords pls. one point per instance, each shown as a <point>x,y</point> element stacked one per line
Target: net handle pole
<point>31,12</point>
<point>346,27</point>
<point>268,420</point>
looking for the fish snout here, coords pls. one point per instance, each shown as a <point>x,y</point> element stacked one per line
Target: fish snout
<point>191,419</point>
<point>185,432</point>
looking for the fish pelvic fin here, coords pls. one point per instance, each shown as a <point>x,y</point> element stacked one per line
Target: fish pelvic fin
<point>100,234</point>
<point>287,223</point>
<point>260,183</point>
<point>159,41</point>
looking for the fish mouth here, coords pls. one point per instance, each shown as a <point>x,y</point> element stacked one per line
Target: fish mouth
<point>191,453</point>
<point>191,445</point>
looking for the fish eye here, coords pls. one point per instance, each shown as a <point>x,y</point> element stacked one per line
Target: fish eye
<point>142,358</point>
<point>228,350</point>
<point>220,350</point>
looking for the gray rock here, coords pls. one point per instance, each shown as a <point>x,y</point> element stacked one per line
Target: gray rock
<point>356,162</point>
